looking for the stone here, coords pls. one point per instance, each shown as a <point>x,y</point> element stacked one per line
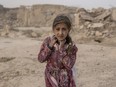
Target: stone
<point>97,33</point>
<point>33,34</point>
<point>103,15</point>
<point>96,25</point>
<point>86,17</point>
<point>77,20</point>
<point>113,15</point>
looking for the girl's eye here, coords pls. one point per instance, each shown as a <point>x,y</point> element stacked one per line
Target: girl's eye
<point>57,29</point>
<point>64,29</point>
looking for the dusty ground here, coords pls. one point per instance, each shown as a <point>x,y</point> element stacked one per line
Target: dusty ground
<point>19,67</point>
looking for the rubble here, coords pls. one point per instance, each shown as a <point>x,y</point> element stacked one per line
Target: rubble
<point>1,7</point>
<point>93,23</point>
<point>98,23</point>
<point>84,15</point>
<point>113,15</point>
<point>103,16</point>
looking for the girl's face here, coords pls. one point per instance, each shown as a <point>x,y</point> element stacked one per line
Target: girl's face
<point>61,31</point>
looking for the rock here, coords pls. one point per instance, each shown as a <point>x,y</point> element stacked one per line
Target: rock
<point>99,40</point>
<point>3,34</point>
<point>103,15</point>
<point>106,31</point>
<point>81,27</point>
<point>95,25</point>
<point>92,33</point>
<point>97,34</point>
<point>86,17</point>
<point>77,20</point>
<point>86,23</point>
<point>33,34</point>
<point>113,15</point>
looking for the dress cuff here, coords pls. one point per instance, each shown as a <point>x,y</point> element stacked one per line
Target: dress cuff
<point>51,48</point>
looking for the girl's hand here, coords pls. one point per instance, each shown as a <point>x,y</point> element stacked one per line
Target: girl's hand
<point>62,43</point>
<point>53,41</point>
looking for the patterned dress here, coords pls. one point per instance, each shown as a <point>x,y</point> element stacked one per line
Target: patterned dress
<point>58,72</point>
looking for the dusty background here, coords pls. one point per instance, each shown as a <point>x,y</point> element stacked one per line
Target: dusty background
<point>23,29</point>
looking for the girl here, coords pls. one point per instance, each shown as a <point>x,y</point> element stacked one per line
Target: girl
<point>60,53</point>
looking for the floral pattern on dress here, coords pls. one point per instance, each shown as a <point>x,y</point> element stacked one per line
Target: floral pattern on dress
<point>58,72</point>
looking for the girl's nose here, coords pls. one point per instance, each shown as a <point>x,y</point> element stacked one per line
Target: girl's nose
<point>60,32</point>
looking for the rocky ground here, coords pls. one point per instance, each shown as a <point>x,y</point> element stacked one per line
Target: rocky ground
<point>23,29</point>
<point>19,67</point>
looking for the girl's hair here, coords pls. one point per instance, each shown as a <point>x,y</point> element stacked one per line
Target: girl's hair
<point>63,19</point>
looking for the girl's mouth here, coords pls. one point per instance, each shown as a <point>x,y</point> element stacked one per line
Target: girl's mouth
<point>60,36</point>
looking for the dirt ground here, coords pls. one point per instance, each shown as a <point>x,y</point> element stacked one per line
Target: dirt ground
<point>19,67</point>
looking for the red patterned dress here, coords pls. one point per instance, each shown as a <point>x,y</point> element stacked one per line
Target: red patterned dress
<point>58,72</point>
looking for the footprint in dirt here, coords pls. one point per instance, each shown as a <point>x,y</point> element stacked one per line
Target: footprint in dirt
<point>6,59</point>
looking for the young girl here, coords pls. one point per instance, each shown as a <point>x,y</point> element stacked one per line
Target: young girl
<point>60,53</point>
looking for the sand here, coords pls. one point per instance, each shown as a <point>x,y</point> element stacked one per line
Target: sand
<point>19,67</point>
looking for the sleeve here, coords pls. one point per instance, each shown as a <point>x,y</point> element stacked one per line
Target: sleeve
<point>44,51</point>
<point>69,59</point>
